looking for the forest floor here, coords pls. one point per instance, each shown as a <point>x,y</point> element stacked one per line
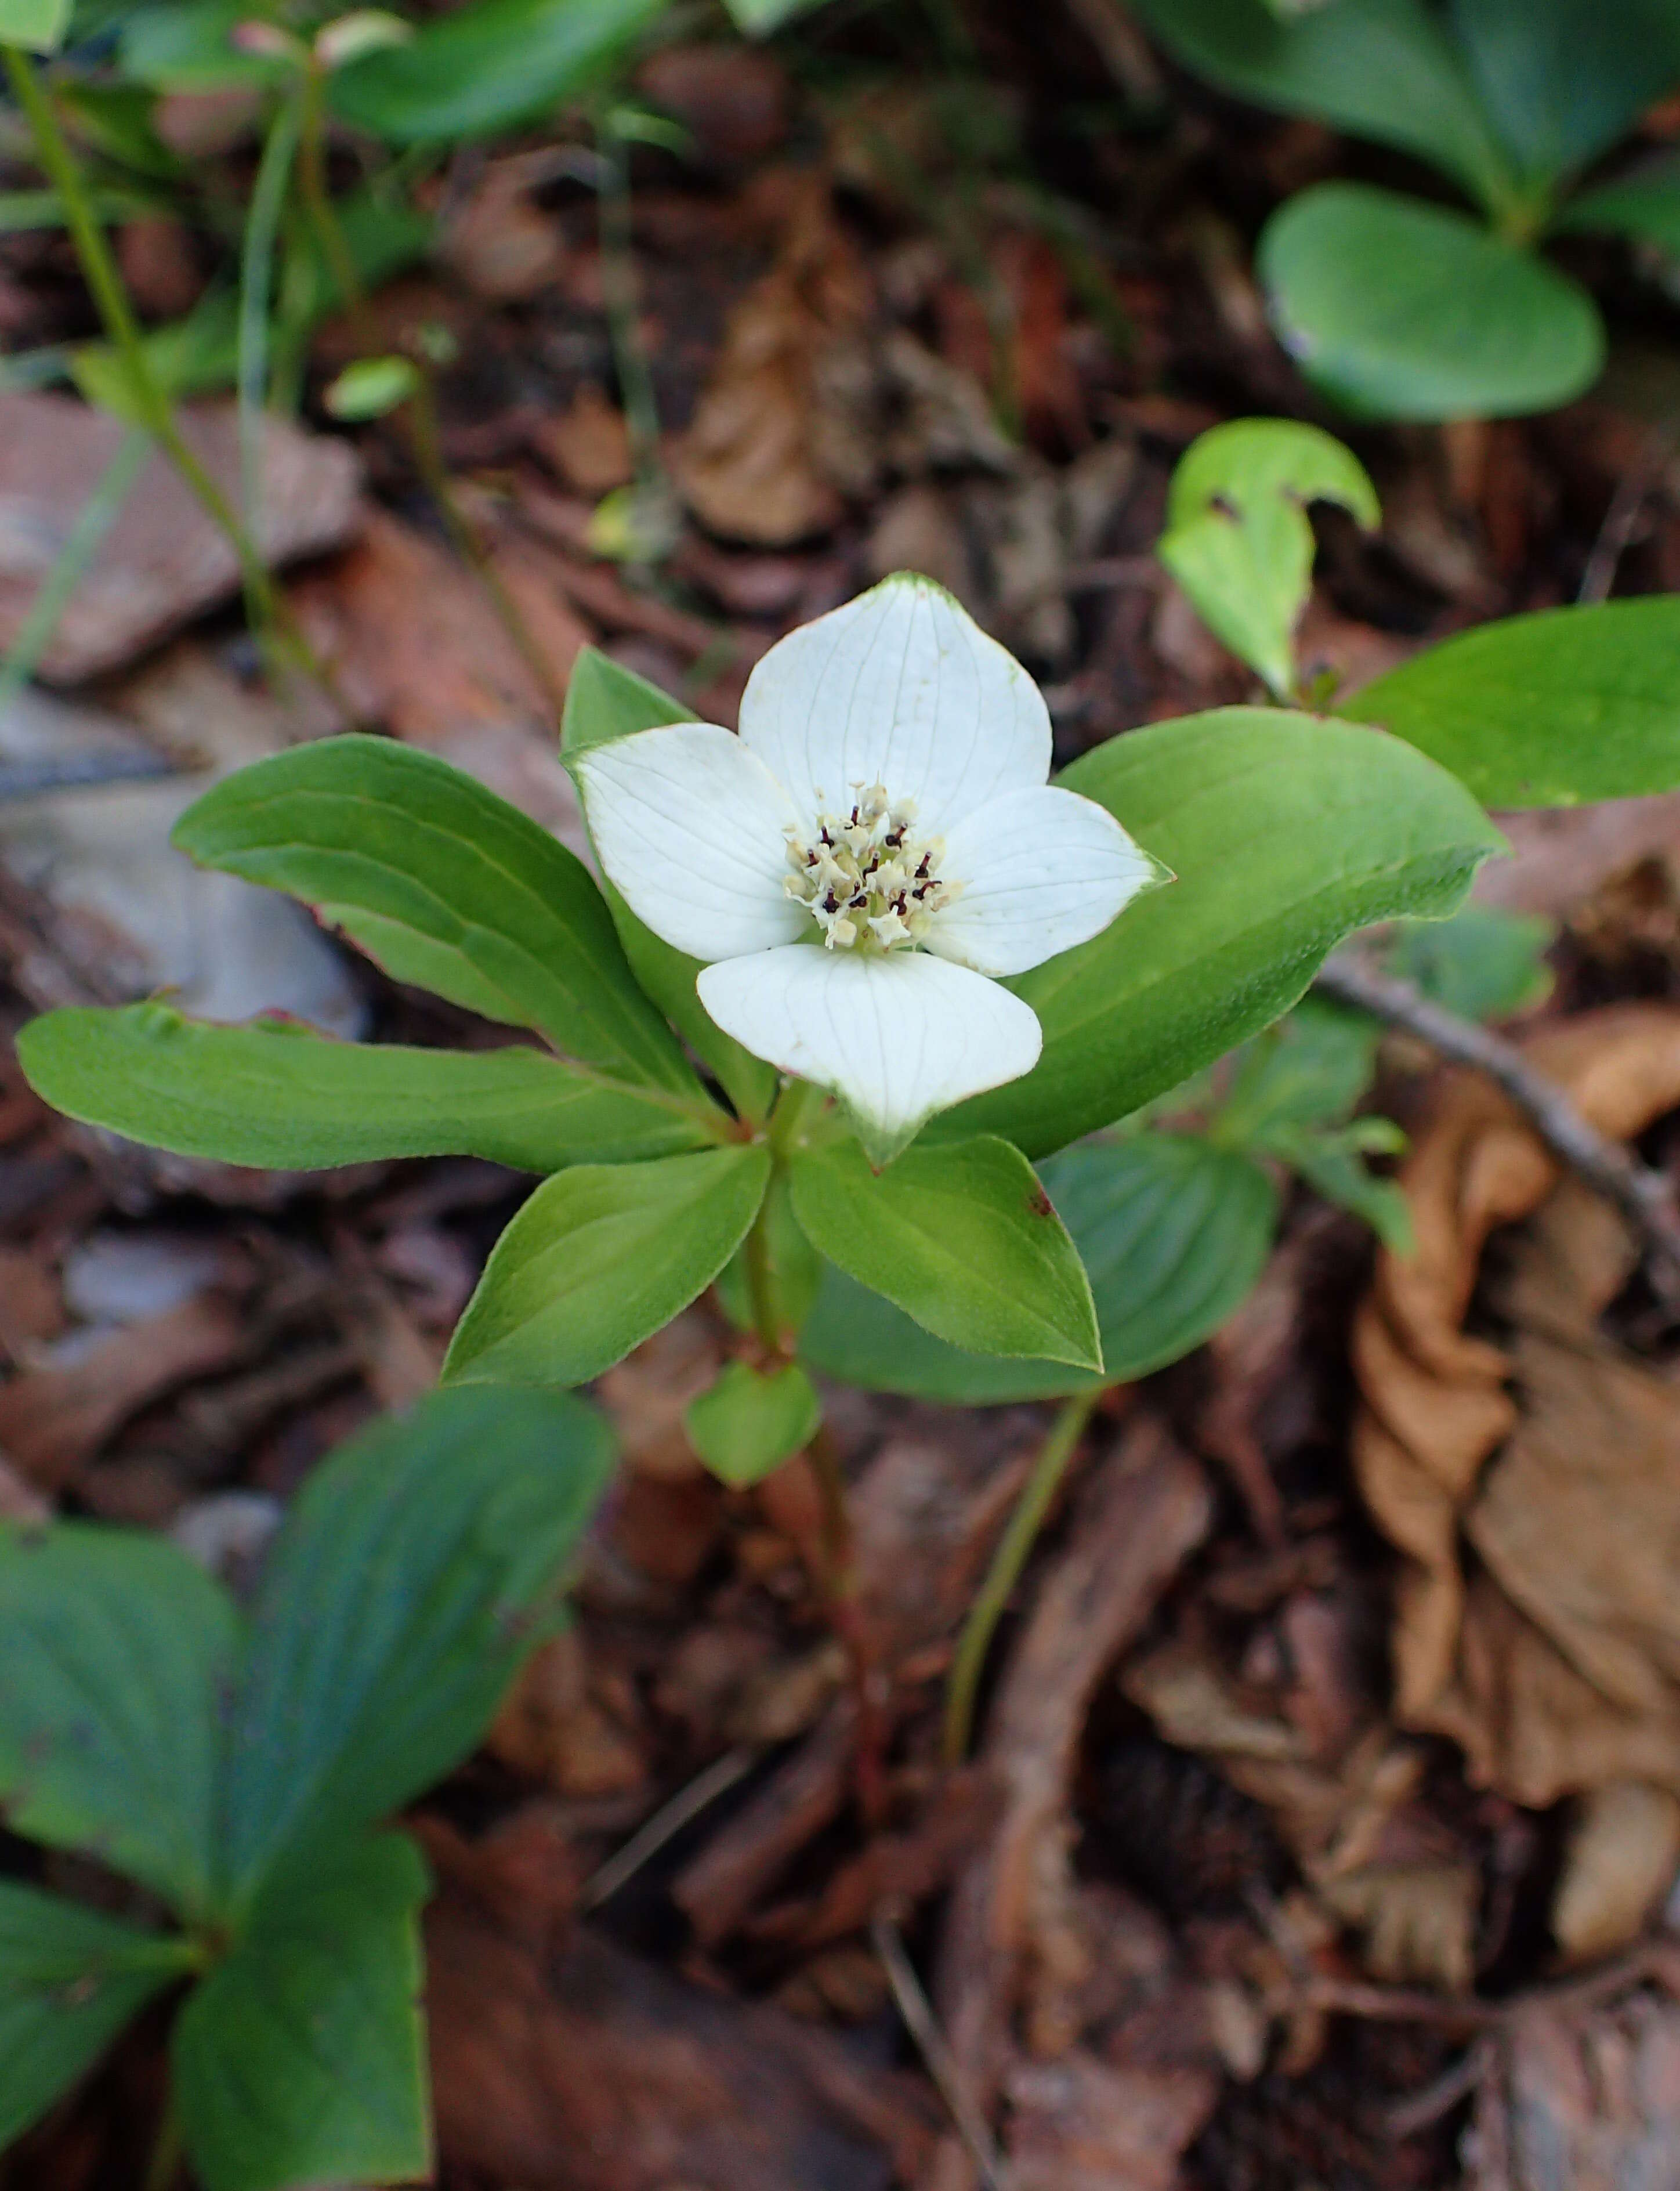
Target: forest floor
<point>1287,1858</point>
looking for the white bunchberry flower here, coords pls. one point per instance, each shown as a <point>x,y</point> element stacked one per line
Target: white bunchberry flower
<point>874,850</point>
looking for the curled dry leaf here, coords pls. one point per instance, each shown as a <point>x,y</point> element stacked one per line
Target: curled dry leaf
<point>1553,1656</point>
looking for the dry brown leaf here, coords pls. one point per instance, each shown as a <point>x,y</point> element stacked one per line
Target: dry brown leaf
<point>1624,1844</point>
<point>751,465</point>
<point>1080,2123</point>
<point>1574,2103</point>
<point>163,561</point>
<point>551,1729</point>
<point>589,444</point>
<point>500,242</point>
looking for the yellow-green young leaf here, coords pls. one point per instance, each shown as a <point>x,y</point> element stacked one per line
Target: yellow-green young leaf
<point>301,2058</point>
<point>445,885</point>
<point>605,701</point>
<point>38,26</point>
<point>277,1094</point>
<point>750,1421</point>
<point>598,1260</point>
<point>1400,309</point>
<point>1286,833</point>
<point>962,1237</point>
<point>69,1980</point>
<point>416,1569</point>
<point>1546,710</point>
<point>117,1651</point>
<point>1173,1232</point>
<point>486,67</point>
<point>1238,539</point>
<point>370,387</point>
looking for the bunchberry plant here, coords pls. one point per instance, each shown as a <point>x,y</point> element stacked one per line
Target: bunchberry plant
<point>238,1766</point>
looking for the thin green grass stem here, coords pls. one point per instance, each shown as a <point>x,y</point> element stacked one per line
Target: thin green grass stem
<point>93,521</point>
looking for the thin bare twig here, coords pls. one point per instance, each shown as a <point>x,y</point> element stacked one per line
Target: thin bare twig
<point>1440,2096</point>
<point>1644,1197</point>
<point>666,1824</point>
<point>922,2025</point>
<point>1615,535</point>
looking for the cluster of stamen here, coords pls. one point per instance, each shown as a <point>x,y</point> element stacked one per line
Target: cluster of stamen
<point>869,881</point>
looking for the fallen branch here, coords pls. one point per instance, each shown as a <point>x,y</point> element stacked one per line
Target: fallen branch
<point>1644,1197</point>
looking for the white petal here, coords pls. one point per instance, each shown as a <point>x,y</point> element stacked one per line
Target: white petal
<point>900,687</point>
<point>1040,871</point>
<point>687,826</point>
<point>897,1038</point>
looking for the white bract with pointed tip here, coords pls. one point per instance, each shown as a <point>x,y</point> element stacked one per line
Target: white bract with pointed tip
<point>860,866</point>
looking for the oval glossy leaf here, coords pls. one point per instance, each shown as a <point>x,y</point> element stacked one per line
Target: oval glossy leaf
<point>1172,1233</point>
<point>445,885</point>
<point>1546,710</point>
<point>69,1980</point>
<point>415,1570</point>
<point>1287,832</point>
<point>301,2059</point>
<point>1399,310</point>
<point>485,66</point>
<point>599,1259</point>
<point>1383,69</point>
<point>605,701</point>
<point>1561,80</point>
<point>1238,538</point>
<point>962,1237</point>
<point>117,1650</point>
<point>750,1421</point>
<point>278,1094</point>
<point>1644,206</point>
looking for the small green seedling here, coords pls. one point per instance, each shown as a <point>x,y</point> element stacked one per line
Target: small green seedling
<point>1400,309</point>
<point>238,1766</point>
<point>1238,538</point>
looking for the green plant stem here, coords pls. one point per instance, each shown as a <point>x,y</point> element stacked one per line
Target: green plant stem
<point>261,227</point>
<point>619,292</point>
<point>152,406</point>
<point>1005,1572</point>
<point>93,521</point>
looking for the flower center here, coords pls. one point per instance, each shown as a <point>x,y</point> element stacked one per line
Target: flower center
<point>870,882</point>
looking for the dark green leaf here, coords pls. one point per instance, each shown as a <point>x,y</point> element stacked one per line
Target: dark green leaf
<point>1309,1070</point>
<point>486,67</point>
<point>1238,538</point>
<point>187,45</point>
<point>1483,964</point>
<point>446,885</point>
<point>961,1236</point>
<point>1561,80</point>
<point>69,1980</point>
<point>605,701</point>
<point>277,1094</point>
<point>1399,310</point>
<point>1384,69</point>
<point>598,1260</point>
<point>117,1649</point>
<point>1173,1232</point>
<point>416,1569</point>
<point>1644,206</point>
<point>751,1421</point>
<point>1546,710</point>
<point>1285,834</point>
<point>301,2059</point>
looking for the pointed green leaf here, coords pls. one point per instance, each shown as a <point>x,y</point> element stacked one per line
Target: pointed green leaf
<point>605,701</point>
<point>277,1094</point>
<point>1173,1232</point>
<point>37,25</point>
<point>1383,69</point>
<point>1285,833</point>
<point>1238,539</point>
<point>751,1421</point>
<point>1546,710</point>
<point>598,1260</point>
<point>116,1649</point>
<point>1644,206</point>
<point>69,1979</point>
<point>445,885</point>
<point>1399,310</point>
<point>416,1569</point>
<point>301,2059</point>
<point>960,1237</point>
<point>486,67</point>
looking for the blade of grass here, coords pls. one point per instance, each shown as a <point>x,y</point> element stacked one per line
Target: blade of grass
<point>93,521</point>
<point>256,284</point>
